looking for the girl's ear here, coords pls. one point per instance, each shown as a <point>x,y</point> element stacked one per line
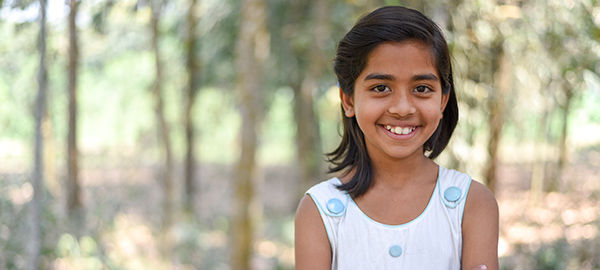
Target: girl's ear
<point>347,104</point>
<point>445,98</point>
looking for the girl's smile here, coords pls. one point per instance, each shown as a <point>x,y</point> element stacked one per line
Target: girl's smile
<point>398,130</point>
<point>398,100</point>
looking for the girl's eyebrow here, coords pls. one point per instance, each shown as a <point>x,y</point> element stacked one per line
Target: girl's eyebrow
<point>377,76</point>
<point>425,77</point>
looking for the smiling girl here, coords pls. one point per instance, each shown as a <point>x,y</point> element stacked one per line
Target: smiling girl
<point>393,207</point>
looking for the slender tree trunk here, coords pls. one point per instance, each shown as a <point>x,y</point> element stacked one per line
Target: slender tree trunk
<point>554,183</point>
<point>496,112</point>
<point>307,125</point>
<point>35,206</point>
<point>193,69</point>
<point>563,156</point>
<point>538,172</point>
<point>51,181</point>
<point>298,15</point>
<point>74,204</point>
<point>252,52</point>
<point>163,132</point>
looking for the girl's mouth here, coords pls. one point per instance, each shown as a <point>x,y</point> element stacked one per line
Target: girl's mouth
<point>400,130</point>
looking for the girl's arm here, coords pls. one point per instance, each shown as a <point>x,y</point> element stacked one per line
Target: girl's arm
<point>313,251</point>
<point>480,229</point>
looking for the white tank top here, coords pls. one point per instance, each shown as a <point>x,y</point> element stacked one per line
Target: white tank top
<point>433,240</point>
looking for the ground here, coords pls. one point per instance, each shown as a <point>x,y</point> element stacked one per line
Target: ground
<point>538,229</point>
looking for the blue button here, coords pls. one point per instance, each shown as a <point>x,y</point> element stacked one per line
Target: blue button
<point>335,206</point>
<point>395,250</point>
<point>452,194</point>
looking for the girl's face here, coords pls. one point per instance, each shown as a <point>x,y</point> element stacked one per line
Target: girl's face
<point>397,101</point>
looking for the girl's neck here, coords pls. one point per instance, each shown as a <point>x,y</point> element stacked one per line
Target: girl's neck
<point>397,173</point>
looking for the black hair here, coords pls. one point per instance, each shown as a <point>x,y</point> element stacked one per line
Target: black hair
<point>387,24</point>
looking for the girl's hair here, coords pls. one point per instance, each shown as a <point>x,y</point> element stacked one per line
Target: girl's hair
<point>387,24</point>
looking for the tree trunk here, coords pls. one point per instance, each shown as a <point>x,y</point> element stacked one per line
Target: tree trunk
<point>193,69</point>
<point>496,113</point>
<point>35,206</point>
<point>563,156</point>
<point>252,52</point>
<point>166,176</point>
<point>74,204</point>
<point>538,172</point>
<point>307,125</point>
<point>554,183</point>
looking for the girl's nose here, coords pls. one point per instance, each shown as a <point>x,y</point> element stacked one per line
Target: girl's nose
<point>402,105</point>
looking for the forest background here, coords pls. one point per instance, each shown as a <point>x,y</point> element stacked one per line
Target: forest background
<point>181,134</point>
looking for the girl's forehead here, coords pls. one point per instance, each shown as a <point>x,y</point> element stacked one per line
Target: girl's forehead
<point>408,46</point>
<point>400,58</point>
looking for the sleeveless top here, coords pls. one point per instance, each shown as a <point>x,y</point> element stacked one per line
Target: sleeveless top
<point>433,240</point>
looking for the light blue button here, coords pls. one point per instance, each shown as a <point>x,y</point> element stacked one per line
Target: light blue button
<point>395,250</point>
<point>452,194</point>
<point>335,206</point>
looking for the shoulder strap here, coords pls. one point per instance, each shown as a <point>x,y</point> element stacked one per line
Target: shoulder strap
<point>329,199</point>
<point>454,187</point>
<point>332,204</point>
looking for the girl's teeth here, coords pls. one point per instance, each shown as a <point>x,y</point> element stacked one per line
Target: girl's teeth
<point>399,130</point>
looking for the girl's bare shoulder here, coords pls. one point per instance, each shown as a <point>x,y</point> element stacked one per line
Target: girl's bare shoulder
<point>312,247</point>
<point>480,228</point>
<point>480,194</point>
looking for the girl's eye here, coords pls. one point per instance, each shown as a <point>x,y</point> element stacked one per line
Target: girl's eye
<point>380,88</point>
<point>422,89</point>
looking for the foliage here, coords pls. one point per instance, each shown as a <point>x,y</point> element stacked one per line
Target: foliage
<point>550,44</point>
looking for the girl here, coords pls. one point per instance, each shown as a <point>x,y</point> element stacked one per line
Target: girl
<point>392,207</point>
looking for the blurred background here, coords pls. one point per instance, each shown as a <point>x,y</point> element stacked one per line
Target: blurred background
<point>181,134</point>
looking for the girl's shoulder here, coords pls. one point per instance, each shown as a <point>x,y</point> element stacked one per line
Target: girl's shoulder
<point>480,197</point>
<point>480,228</point>
<point>312,248</point>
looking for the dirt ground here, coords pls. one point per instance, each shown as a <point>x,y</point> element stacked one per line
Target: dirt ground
<point>538,230</point>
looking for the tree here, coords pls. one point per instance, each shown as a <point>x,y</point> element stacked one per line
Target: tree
<point>496,110</point>
<point>564,38</point>
<point>193,70</point>
<point>569,37</point>
<point>166,177</point>
<point>74,204</point>
<point>37,179</point>
<point>308,137</point>
<point>252,51</point>
<point>480,43</point>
